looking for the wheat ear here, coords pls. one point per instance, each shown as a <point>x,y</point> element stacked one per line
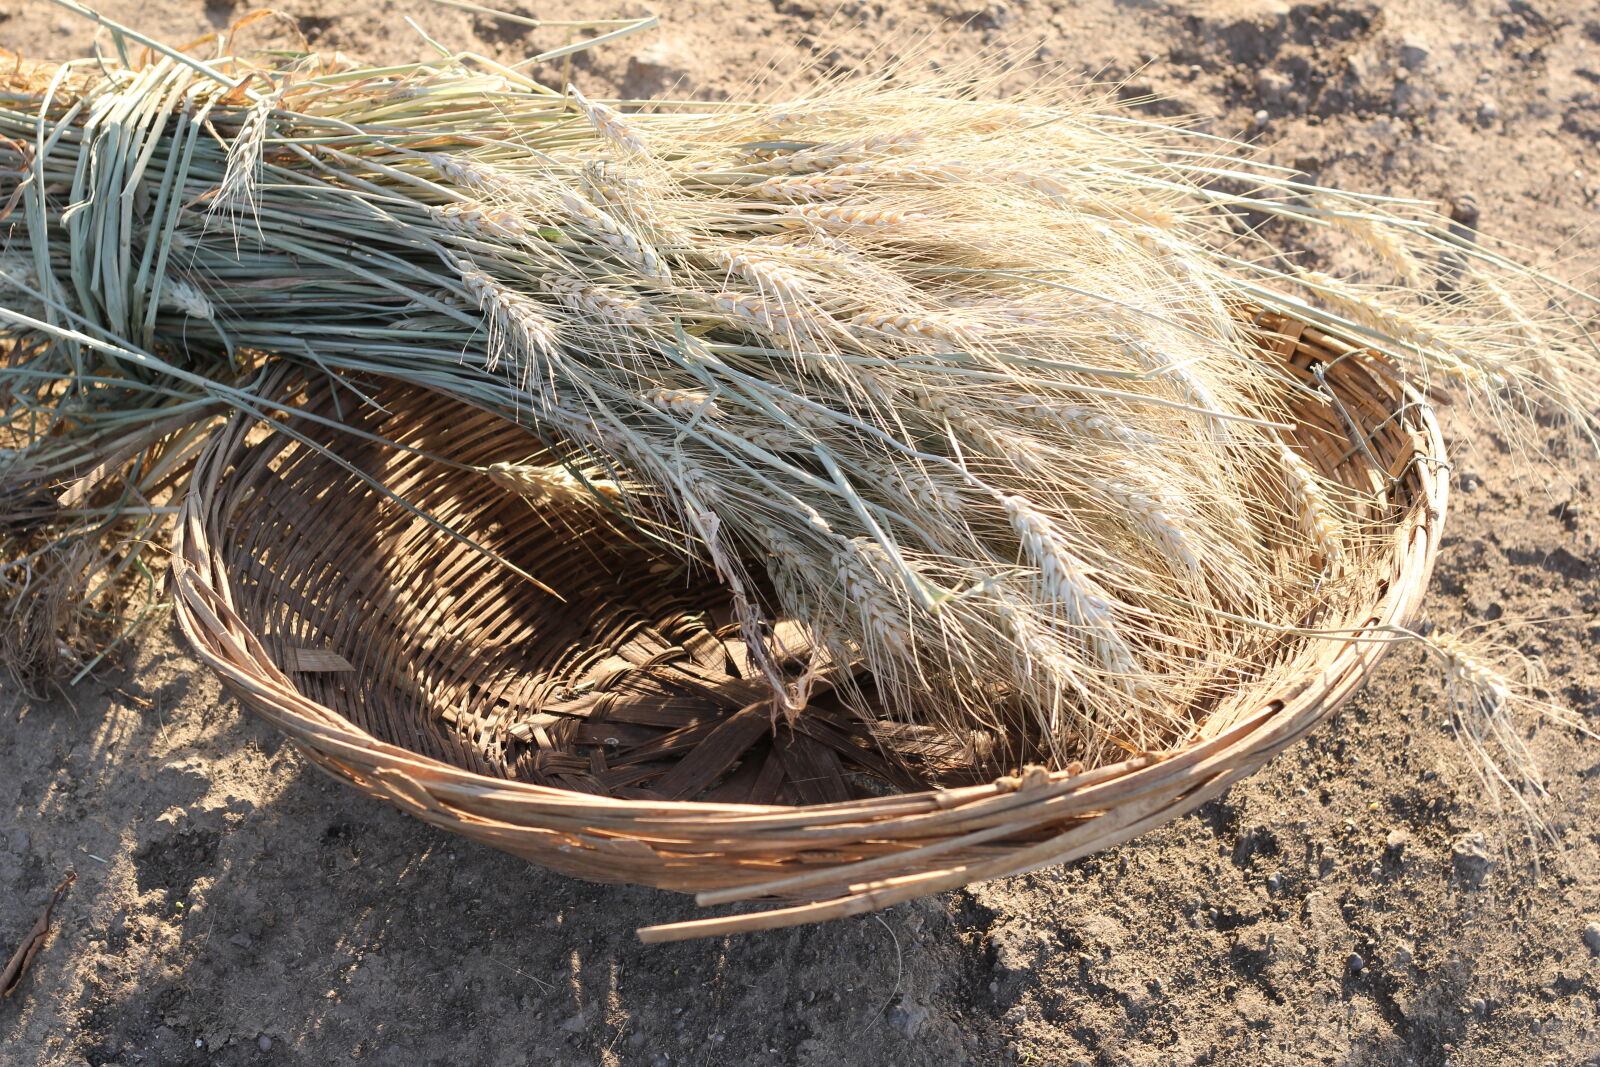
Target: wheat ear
<point>609,124</point>
<point>1083,604</point>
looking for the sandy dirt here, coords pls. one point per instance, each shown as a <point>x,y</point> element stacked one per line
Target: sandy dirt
<point>1352,904</point>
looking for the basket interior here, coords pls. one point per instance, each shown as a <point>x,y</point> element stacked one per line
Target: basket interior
<point>549,645</point>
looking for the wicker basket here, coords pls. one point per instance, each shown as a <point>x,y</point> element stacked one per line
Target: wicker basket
<point>552,690</point>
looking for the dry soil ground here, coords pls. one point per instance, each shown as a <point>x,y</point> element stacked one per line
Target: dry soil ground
<point>233,907</point>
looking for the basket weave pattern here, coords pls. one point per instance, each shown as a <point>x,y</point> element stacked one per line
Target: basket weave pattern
<point>538,683</point>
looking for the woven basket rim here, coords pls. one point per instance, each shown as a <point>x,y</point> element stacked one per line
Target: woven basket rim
<point>1116,801</point>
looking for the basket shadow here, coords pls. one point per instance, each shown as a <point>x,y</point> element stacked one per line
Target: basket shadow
<point>244,898</point>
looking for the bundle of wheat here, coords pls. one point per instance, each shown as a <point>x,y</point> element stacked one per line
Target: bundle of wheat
<point>965,385</point>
